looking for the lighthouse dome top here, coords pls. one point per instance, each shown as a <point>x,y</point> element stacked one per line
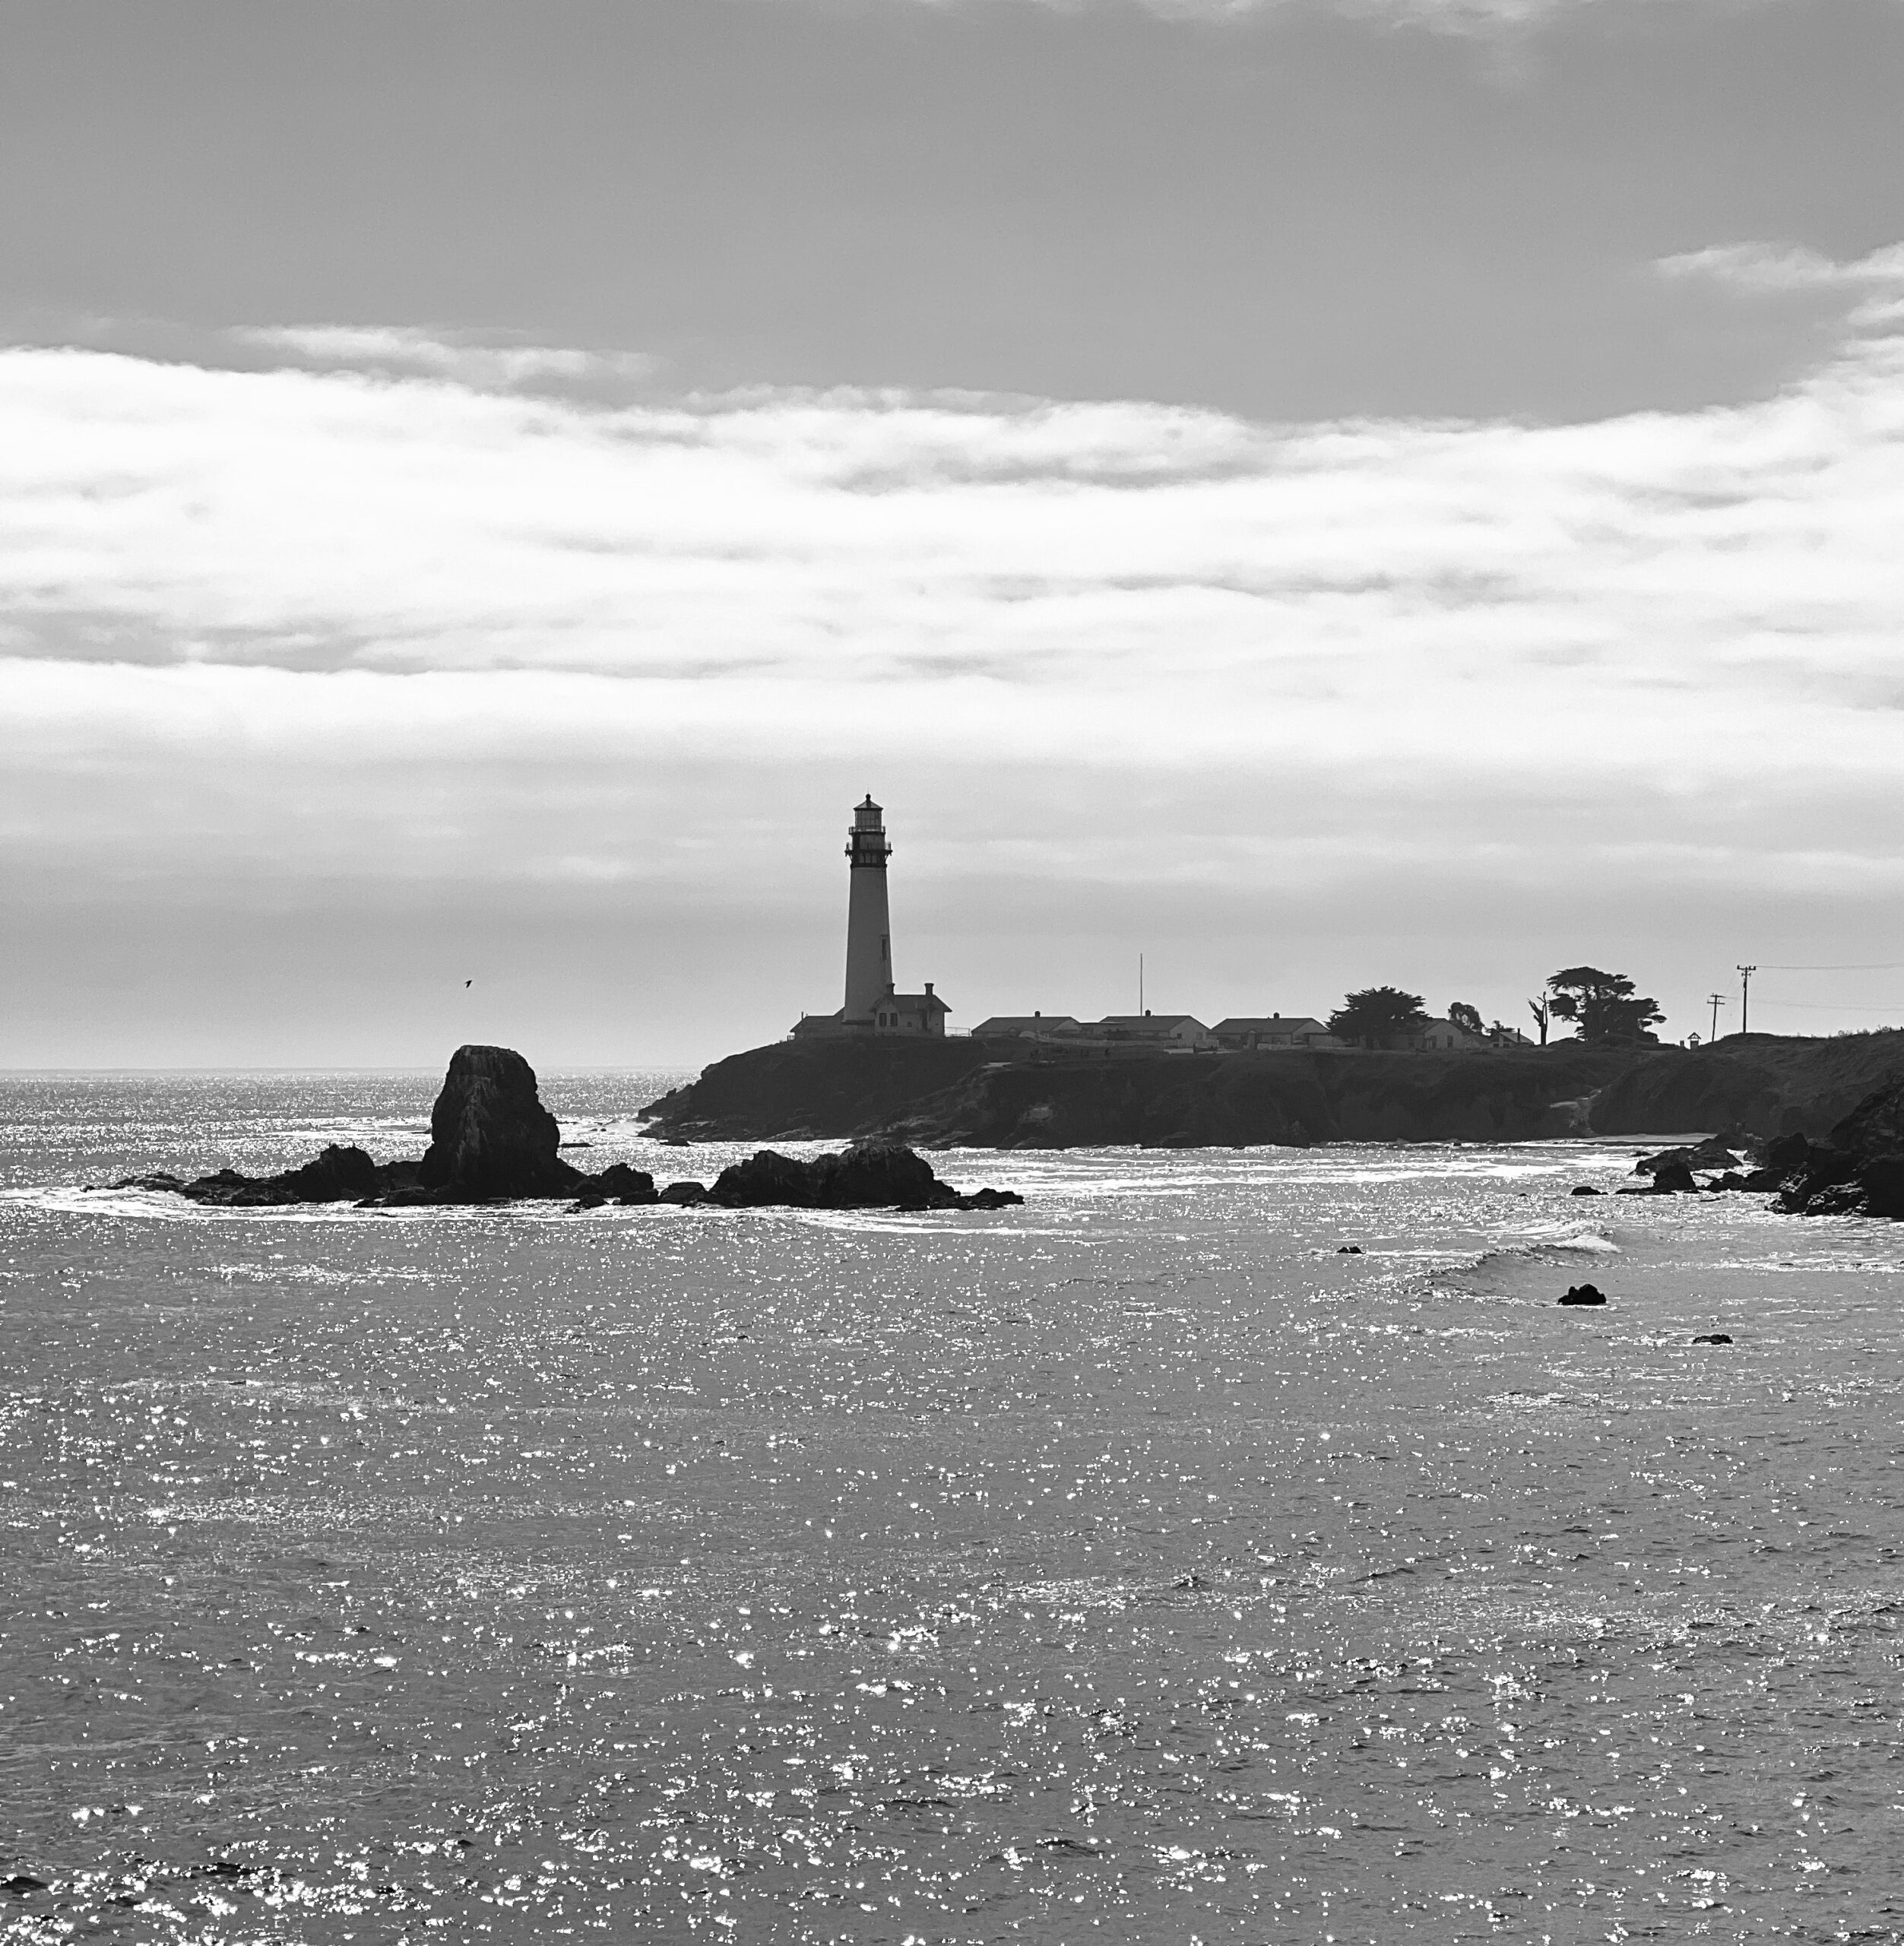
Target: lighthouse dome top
<point>867,815</point>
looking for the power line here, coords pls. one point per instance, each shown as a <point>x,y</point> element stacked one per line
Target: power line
<point>1836,1006</point>
<point>1870,966</point>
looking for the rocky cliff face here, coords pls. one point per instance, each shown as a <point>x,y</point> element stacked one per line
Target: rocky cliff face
<point>814,1090</point>
<point>1764,1084</point>
<point>963,1093</point>
<point>1294,1099</point>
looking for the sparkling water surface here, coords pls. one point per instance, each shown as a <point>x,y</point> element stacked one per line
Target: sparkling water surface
<point>1132,1566</point>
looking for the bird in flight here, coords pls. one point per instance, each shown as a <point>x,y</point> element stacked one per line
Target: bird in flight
<point>469,983</point>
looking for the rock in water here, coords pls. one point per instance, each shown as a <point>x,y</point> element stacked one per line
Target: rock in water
<point>338,1175</point>
<point>625,1185</point>
<point>1710,1153</point>
<point>490,1133</point>
<point>1857,1170</point>
<point>491,1137</point>
<point>874,1174</point>
<point>1584,1293</point>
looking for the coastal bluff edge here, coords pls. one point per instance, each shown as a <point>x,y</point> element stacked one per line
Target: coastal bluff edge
<point>976,1094</point>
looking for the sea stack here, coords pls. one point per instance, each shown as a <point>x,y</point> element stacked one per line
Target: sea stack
<point>490,1133</point>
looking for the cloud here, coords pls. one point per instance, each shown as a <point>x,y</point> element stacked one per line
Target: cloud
<point>1867,292</point>
<point>174,514</point>
<point>1762,268</point>
<point>466,358</point>
<point>309,630</point>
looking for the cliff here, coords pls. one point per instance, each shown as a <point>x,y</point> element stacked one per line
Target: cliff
<point>1172,1102</point>
<point>795,1090</point>
<point>1767,1084</point>
<point>958,1092</point>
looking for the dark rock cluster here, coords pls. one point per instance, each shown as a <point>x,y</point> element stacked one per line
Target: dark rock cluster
<point>1858,1168</point>
<point>868,1175</point>
<point>1671,1169</point>
<point>491,1139</point>
<point>1712,1153</point>
<point>1582,1294</point>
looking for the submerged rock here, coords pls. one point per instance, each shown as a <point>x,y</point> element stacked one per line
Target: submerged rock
<point>1713,1338</point>
<point>1583,1294</point>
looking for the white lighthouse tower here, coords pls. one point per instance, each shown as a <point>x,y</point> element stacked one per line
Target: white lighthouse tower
<point>869,923</point>
<point>874,1006</point>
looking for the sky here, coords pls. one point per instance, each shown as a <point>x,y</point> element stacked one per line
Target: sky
<point>1316,493</point>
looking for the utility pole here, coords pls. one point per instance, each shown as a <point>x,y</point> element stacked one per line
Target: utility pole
<point>1745,995</point>
<point>1140,983</point>
<point>1718,1000</point>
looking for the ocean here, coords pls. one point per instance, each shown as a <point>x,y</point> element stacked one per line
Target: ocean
<point>1138,1565</point>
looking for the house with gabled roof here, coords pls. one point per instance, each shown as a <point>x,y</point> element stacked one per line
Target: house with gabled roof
<point>1247,1033</point>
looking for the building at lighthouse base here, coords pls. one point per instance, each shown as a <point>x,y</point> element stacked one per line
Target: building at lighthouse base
<point>910,1014</point>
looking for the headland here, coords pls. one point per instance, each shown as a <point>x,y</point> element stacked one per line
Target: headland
<point>975,1093</point>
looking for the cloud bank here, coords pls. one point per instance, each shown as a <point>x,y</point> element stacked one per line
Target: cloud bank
<point>381,617</point>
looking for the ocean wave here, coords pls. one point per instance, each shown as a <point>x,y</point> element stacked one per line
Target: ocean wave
<point>1537,1246</point>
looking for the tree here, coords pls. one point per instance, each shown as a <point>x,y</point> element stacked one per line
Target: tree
<point>1462,1015</point>
<point>1376,1013</point>
<point>1604,1006</point>
<point>1542,1014</point>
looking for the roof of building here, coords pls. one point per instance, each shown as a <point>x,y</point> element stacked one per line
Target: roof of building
<point>1157,1023</point>
<point>1270,1023</point>
<point>1025,1023</point>
<point>915,1003</point>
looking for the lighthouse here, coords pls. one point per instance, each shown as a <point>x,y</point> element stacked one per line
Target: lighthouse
<point>869,923</point>
<point>873,1004</point>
